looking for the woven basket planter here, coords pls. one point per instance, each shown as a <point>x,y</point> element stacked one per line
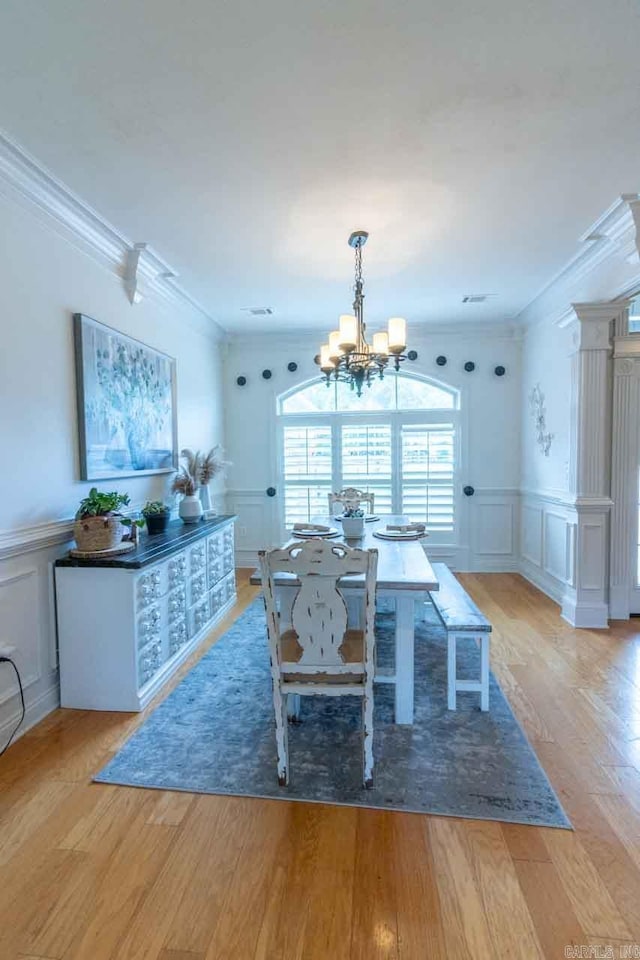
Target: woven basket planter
<point>98,533</point>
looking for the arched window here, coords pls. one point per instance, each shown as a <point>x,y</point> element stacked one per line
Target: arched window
<point>401,392</point>
<point>399,440</point>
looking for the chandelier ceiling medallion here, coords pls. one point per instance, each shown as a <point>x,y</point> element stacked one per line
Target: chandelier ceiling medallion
<point>347,356</point>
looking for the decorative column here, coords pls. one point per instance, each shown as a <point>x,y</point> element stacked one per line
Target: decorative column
<point>586,601</point>
<point>625,464</point>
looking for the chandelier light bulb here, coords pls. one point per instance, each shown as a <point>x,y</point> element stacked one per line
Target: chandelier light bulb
<point>397,334</point>
<point>348,332</point>
<point>326,363</point>
<point>334,345</point>
<point>381,343</point>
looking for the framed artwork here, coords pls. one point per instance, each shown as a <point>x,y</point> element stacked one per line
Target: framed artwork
<point>126,395</point>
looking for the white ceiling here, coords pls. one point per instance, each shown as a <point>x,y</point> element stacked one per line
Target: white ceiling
<point>244,141</point>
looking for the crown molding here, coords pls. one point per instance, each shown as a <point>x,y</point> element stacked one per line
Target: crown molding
<point>615,235</point>
<point>419,335</point>
<point>25,180</point>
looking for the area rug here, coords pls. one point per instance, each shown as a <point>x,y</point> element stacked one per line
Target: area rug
<point>215,734</point>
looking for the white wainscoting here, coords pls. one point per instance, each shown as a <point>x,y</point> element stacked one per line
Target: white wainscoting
<point>488,525</point>
<point>547,530</point>
<point>27,623</point>
<point>257,524</point>
<point>493,531</point>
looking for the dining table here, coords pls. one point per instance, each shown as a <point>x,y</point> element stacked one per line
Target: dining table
<point>405,576</point>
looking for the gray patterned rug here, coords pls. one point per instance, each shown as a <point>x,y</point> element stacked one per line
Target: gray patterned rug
<point>215,734</point>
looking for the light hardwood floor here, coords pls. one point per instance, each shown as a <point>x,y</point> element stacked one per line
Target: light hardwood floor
<point>96,872</point>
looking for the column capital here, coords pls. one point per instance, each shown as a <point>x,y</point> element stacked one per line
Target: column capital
<point>593,324</point>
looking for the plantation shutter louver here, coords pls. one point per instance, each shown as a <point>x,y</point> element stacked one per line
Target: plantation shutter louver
<point>428,474</point>
<point>307,464</point>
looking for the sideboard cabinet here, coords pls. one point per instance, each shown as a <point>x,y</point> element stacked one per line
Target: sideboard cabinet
<point>125,624</point>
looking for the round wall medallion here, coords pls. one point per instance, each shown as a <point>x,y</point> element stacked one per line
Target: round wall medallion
<point>468,491</point>
<point>469,366</point>
<point>267,374</point>
<point>412,355</point>
<point>441,361</point>
<point>271,491</point>
<point>241,381</point>
<point>500,371</point>
<point>316,359</point>
<point>292,367</point>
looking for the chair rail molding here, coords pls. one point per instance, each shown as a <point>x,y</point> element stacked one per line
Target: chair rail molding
<point>24,180</point>
<point>14,543</point>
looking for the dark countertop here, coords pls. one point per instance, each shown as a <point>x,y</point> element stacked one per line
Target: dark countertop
<point>150,549</point>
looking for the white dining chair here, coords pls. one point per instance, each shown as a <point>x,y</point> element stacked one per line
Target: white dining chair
<point>316,654</point>
<point>350,495</point>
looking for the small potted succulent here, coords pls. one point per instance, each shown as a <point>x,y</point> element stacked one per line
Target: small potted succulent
<point>157,514</point>
<point>353,520</point>
<point>99,525</point>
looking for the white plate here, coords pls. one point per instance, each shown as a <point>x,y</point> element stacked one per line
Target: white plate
<point>368,519</point>
<point>398,535</point>
<point>320,534</point>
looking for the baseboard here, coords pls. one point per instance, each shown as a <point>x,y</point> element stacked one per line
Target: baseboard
<point>492,564</point>
<point>539,578</point>
<point>594,616</point>
<point>36,711</point>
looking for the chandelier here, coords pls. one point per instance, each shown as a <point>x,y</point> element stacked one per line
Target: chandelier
<point>347,356</point>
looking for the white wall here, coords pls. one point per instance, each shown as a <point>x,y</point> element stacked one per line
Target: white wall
<point>44,279</point>
<point>491,434</point>
<point>546,360</point>
<point>545,480</point>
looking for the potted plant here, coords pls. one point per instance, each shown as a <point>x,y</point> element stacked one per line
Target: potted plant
<point>157,516</point>
<point>186,482</point>
<point>98,523</point>
<point>353,521</point>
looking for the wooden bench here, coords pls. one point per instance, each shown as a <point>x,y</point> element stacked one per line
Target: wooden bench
<point>463,621</point>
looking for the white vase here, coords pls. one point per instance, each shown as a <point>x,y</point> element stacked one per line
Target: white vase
<point>353,527</point>
<point>190,509</point>
<point>205,500</point>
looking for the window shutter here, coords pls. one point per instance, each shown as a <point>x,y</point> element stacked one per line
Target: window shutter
<point>428,474</point>
<point>366,461</point>
<point>307,472</point>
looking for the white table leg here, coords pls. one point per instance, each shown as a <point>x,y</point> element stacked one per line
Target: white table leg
<point>405,613</point>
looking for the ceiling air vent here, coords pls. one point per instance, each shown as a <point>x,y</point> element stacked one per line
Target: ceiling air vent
<point>476,297</point>
<point>258,311</point>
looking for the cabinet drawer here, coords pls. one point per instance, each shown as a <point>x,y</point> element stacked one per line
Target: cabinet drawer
<point>216,570</point>
<point>148,625</point>
<point>223,591</point>
<point>215,548</point>
<point>149,587</point>
<point>196,588</point>
<point>176,571</point>
<point>228,549</point>
<point>197,557</point>
<point>178,636</point>
<point>149,661</point>
<point>177,605</point>
<point>199,616</point>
